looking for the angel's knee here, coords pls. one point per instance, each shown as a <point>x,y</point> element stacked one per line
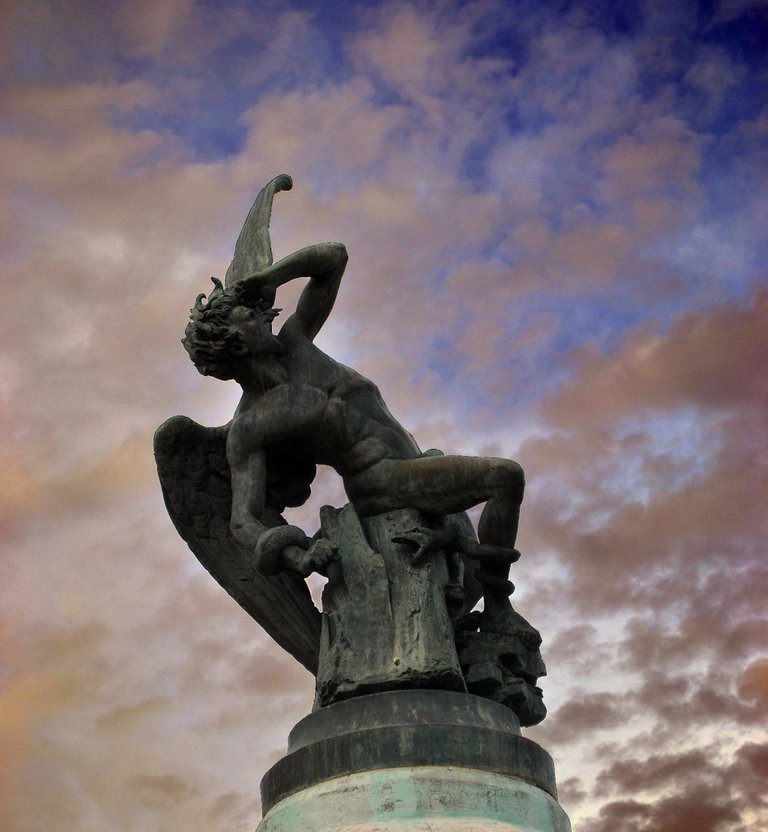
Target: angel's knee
<point>507,478</point>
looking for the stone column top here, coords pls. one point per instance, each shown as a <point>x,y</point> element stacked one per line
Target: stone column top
<point>400,708</point>
<point>409,729</point>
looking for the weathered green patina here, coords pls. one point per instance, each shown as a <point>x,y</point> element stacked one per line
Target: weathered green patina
<point>419,799</point>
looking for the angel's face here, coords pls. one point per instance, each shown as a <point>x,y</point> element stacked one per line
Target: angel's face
<point>256,328</point>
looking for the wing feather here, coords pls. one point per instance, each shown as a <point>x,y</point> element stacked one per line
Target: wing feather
<point>195,479</point>
<point>253,250</point>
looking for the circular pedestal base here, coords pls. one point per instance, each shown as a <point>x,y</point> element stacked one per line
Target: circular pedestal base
<point>415,760</point>
<point>423,799</point>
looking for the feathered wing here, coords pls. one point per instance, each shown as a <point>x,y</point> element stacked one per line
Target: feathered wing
<point>195,479</point>
<point>253,249</point>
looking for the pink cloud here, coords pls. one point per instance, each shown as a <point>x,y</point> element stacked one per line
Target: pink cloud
<point>148,26</point>
<point>753,685</point>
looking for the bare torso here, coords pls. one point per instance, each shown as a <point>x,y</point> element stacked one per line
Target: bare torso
<point>332,415</point>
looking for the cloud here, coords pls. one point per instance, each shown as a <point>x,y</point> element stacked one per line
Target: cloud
<point>710,795</point>
<point>728,10</point>
<point>708,360</point>
<point>556,246</point>
<point>753,685</point>
<point>126,717</point>
<point>148,26</point>
<point>162,790</point>
<point>579,716</point>
<point>656,518</point>
<point>643,472</point>
<point>697,809</point>
<point>654,772</point>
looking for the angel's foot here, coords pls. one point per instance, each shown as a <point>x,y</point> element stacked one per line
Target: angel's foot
<point>425,540</point>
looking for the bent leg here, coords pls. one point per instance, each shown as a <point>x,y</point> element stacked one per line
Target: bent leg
<point>446,485</point>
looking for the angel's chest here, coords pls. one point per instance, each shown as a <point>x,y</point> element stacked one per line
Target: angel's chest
<point>290,410</point>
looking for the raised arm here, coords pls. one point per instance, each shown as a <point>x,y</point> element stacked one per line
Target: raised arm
<point>324,264</point>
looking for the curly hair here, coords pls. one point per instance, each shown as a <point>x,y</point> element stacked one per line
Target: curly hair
<point>211,343</point>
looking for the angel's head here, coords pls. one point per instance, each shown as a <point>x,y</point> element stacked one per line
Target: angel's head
<point>212,344</point>
<point>227,328</point>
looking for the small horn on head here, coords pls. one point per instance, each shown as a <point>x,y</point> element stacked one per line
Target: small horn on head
<point>253,249</point>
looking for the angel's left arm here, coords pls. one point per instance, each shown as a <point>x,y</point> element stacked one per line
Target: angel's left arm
<point>324,264</point>
<point>248,494</point>
<point>275,548</point>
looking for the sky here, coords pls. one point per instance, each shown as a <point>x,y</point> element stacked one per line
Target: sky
<point>555,214</point>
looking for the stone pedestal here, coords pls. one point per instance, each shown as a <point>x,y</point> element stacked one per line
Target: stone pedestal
<point>385,620</point>
<point>416,760</point>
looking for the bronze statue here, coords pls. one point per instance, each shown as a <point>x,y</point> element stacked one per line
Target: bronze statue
<point>226,489</point>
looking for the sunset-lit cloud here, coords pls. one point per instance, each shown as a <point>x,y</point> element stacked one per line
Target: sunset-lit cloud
<point>556,219</point>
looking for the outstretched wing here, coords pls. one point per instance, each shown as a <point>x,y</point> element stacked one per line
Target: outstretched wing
<point>195,478</point>
<point>253,250</point>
